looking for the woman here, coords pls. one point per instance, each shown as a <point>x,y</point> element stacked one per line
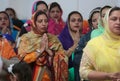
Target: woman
<point>44,50</point>
<point>82,43</point>
<point>103,63</point>
<point>93,18</point>
<point>17,24</point>
<point>5,24</point>
<point>100,28</point>
<point>56,23</point>
<point>38,5</point>
<point>70,36</point>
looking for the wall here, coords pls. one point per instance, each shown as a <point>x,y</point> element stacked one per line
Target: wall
<point>23,7</point>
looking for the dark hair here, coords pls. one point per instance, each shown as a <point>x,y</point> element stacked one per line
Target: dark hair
<point>74,12</point>
<point>4,13</point>
<point>95,10</point>
<point>55,4</point>
<point>11,10</point>
<point>23,71</point>
<point>8,18</point>
<point>106,6</point>
<point>116,8</point>
<point>41,2</point>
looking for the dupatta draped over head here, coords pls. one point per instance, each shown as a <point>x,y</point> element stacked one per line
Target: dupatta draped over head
<point>67,41</point>
<point>102,53</point>
<point>30,42</point>
<point>53,27</point>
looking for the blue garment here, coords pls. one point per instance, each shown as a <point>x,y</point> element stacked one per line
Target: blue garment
<point>78,54</point>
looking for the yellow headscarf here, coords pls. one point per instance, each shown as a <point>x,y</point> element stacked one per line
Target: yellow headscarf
<point>104,51</point>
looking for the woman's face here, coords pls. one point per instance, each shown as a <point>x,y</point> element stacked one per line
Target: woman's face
<point>114,22</point>
<point>103,13</point>
<point>55,13</point>
<point>75,22</point>
<point>10,13</point>
<point>95,18</point>
<point>4,20</point>
<point>42,7</point>
<point>42,23</point>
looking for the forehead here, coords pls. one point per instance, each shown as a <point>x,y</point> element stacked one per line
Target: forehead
<point>3,15</point>
<point>75,15</point>
<point>104,10</point>
<point>41,7</point>
<point>96,14</point>
<point>115,13</point>
<point>9,11</point>
<point>42,16</point>
<point>55,8</point>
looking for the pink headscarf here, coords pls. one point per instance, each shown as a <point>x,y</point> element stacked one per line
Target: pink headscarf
<point>29,23</point>
<point>55,28</point>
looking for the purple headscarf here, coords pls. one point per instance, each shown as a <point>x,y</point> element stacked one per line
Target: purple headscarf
<point>65,38</point>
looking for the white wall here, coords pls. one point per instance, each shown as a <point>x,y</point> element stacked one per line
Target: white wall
<point>23,7</point>
<point>3,4</point>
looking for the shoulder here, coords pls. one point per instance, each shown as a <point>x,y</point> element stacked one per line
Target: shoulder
<point>25,36</point>
<point>95,33</point>
<point>95,41</point>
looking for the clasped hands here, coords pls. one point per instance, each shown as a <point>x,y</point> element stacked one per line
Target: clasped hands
<point>44,45</point>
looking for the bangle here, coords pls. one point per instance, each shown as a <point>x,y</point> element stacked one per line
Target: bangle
<point>38,51</point>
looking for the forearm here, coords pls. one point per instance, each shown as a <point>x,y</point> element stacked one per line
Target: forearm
<point>70,50</point>
<point>94,75</point>
<point>31,57</point>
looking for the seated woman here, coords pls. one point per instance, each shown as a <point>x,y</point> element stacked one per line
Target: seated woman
<point>70,37</point>
<point>100,28</point>
<point>56,23</point>
<point>5,23</point>
<point>44,50</point>
<point>83,41</point>
<point>17,23</point>
<point>100,60</point>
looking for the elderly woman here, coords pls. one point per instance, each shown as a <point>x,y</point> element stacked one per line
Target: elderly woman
<point>103,63</point>
<point>44,50</point>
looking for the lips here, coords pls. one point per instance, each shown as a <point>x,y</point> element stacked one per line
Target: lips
<point>3,23</point>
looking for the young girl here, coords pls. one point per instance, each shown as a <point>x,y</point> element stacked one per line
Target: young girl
<point>20,72</point>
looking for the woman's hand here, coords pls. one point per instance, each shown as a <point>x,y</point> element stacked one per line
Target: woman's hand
<point>115,76</point>
<point>77,37</point>
<point>43,43</point>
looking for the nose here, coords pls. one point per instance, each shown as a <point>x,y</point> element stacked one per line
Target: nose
<point>43,23</point>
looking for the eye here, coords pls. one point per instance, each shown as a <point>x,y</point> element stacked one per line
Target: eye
<point>79,20</point>
<point>52,11</point>
<point>113,18</point>
<point>73,20</point>
<point>46,20</point>
<point>39,21</point>
<point>94,20</point>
